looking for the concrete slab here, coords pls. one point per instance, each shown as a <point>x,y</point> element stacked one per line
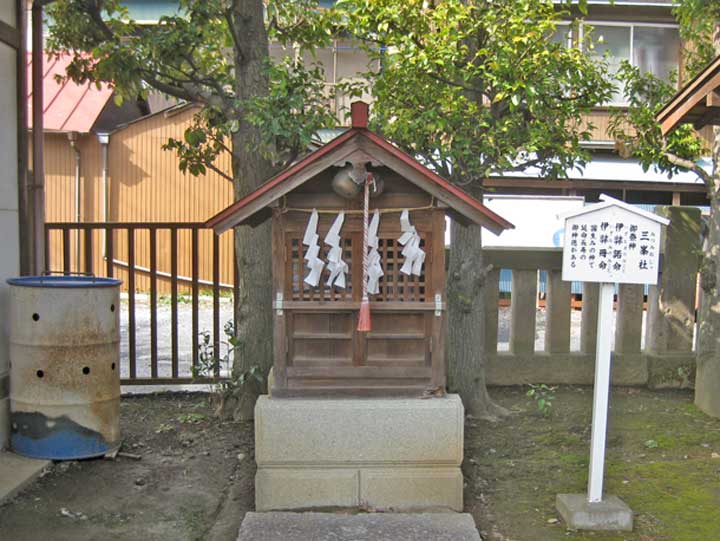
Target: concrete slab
<point>611,514</point>
<point>17,472</point>
<point>340,527</point>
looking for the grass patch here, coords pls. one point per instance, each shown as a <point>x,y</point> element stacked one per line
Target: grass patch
<point>673,487</point>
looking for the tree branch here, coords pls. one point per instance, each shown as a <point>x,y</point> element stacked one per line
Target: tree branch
<point>228,14</point>
<point>219,171</point>
<point>690,166</point>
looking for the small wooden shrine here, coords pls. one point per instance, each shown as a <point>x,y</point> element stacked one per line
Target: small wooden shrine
<point>358,218</point>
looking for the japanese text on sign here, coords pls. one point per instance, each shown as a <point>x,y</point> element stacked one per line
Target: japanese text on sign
<point>611,245</point>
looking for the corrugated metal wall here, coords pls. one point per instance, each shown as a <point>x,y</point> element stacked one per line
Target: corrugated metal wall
<point>144,185</point>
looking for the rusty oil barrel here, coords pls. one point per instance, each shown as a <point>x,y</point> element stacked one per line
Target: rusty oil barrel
<point>64,366</point>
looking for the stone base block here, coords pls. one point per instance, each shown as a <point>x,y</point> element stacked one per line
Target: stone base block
<point>396,454</point>
<point>610,514</point>
<point>305,488</point>
<point>378,488</point>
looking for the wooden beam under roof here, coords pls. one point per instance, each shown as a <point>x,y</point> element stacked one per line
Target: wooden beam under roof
<point>698,102</point>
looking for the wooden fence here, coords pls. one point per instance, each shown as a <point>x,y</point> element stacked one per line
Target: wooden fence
<point>131,251</point>
<point>140,242</point>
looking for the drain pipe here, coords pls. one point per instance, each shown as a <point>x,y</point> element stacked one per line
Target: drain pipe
<point>37,192</point>
<point>72,137</point>
<point>104,140</point>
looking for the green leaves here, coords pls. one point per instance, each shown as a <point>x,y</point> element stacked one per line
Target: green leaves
<point>698,22</point>
<point>201,55</point>
<point>543,396</point>
<point>293,111</point>
<point>478,88</point>
<point>638,134</point>
<point>635,128</point>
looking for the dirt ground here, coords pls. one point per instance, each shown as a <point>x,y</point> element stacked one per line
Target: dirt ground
<point>194,481</point>
<point>663,460</point>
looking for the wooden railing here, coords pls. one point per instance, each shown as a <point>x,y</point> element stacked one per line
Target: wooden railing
<point>114,250</point>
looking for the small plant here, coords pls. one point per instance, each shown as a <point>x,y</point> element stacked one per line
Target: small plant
<point>182,298</point>
<point>543,396</point>
<point>652,444</point>
<point>164,427</point>
<point>210,362</point>
<point>191,418</point>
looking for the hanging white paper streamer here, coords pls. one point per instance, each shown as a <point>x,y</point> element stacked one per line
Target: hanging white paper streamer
<point>410,240</point>
<point>375,270</point>
<point>314,263</point>
<point>336,265</point>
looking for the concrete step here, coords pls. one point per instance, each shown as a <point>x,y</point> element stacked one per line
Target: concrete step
<point>16,472</point>
<point>274,526</point>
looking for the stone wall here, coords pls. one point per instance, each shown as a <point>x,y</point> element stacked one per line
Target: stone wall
<point>666,360</point>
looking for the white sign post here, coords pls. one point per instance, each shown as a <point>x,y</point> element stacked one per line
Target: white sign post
<point>611,243</point>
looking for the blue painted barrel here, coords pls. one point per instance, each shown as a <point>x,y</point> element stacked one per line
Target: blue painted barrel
<point>65,366</point>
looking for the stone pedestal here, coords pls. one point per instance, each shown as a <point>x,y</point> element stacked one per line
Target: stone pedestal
<point>611,514</point>
<point>400,454</point>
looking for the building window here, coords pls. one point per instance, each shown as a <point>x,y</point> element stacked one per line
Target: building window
<point>652,48</point>
<point>563,34</point>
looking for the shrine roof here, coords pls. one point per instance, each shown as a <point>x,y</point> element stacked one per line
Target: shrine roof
<point>362,143</point>
<point>697,102</point>
<point>608,201</point>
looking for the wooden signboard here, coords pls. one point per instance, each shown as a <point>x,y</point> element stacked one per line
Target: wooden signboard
<point>610,242</point>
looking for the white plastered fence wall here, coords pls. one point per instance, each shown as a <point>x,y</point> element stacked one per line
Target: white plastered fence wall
<point>10,259</point>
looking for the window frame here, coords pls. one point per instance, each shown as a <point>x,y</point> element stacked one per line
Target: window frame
<point>624,24</point>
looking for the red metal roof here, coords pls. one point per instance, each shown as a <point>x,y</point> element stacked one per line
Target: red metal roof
<point>68,106</point>
<point>229,217</point>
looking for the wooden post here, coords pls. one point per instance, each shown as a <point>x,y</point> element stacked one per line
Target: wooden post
<point>601,394</point>
<point>437,280</point>
<point>557,314</point>
<point>588,325</point>
<point>628,331</point>
<point>671,305</point>
<point>280,338</point>
<point>522,311</point>
<point>492,294</point>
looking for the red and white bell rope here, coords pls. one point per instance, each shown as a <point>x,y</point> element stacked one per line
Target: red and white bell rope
<point>364,316</point>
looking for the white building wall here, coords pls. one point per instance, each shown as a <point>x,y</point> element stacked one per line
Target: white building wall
<point>9,217</point>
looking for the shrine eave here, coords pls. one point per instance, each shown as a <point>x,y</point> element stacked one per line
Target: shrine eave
<point>357,143</point>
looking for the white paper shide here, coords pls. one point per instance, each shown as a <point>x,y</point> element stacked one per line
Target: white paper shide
<point>410,240</point>
<point>312,255</point>
<point>375,270</point>
<point>337,267</point>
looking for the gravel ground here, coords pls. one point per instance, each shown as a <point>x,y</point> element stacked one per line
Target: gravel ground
<point>142,321</point>
<point>142,334</point>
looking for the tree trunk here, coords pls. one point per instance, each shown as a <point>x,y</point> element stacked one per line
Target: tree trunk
<point>707,382</point>
<point>252,245</point>
<point>466,323</point>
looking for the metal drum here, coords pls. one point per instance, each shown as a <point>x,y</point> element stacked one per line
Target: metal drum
<point>64,366</point>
